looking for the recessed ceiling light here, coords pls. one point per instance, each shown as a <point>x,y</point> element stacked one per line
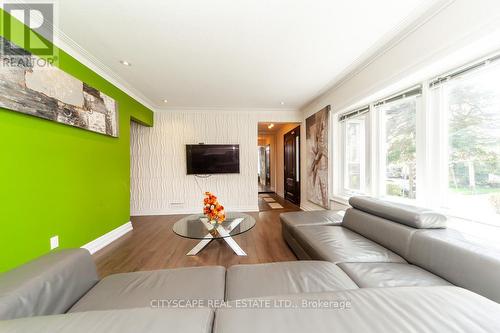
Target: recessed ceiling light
<point>165,101</point>
<point>125,63</point>
<point>270,126</point>
<point>282,103</point>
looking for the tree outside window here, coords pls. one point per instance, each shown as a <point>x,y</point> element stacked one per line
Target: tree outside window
<point>400,141</point>
<point>474,143</point>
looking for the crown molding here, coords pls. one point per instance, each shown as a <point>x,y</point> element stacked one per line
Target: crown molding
<point>405,28</point>
<point>224,109</point>
<point>410,24</point>
<point>68,45</point>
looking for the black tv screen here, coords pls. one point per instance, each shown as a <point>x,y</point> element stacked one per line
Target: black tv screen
<point>212,159</point>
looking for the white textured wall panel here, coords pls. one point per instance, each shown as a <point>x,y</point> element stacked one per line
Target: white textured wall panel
<point>159,184</point>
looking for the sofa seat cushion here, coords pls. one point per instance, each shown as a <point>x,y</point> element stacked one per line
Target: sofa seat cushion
<point>318,217</point>
<point>251,281</point>
<point>117,321</point>
<point>338,244</point>
<point>370,310</point>
<point>383,274</point>
<point>140,289</point>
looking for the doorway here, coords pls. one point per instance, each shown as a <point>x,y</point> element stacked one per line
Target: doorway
<point>271,161</point>
<point>264,169</point>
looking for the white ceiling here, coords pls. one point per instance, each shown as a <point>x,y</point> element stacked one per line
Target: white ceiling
<point>232,53</point>
<point>263,127</point>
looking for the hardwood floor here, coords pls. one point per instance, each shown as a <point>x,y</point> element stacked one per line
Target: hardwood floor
<point>153,245</point>
<point>287,205</point>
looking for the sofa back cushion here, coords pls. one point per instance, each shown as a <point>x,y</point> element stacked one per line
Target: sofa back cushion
<point>48,285</point>
<point>394,236</point>
<point>463,262</point>
<point>415,217</point>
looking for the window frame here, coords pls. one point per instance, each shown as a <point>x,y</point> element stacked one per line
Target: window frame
<point>431,145</point>
<point>381,165</point>
<point>362,156</point>
<point>341,191</point>
<point>440,117</point>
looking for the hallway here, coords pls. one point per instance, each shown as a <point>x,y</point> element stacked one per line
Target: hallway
<point>265,189</point>
<point>273,202</point>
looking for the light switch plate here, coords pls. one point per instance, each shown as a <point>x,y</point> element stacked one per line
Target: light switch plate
<point>54,242</point>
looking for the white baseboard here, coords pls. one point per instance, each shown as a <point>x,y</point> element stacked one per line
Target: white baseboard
<point>189,211</point>
<point>108,238</point>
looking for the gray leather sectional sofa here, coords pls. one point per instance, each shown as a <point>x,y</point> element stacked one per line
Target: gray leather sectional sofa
<point>381,244</point>
<point>380,269</point>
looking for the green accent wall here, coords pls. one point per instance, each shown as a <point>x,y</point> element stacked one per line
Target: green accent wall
<point>61,180</point>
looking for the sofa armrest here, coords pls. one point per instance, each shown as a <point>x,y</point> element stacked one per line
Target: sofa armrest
<point>48,285</point>
<point>117,321</point>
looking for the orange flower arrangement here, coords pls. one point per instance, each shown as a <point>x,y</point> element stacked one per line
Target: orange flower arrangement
<point>213,209</point>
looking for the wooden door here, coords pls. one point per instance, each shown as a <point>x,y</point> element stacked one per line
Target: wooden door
<point>292,165</point>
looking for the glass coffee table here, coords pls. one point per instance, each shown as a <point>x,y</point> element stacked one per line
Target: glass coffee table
<point>198,227</point>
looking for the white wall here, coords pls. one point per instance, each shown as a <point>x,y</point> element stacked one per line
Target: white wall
<point>460,32</point>
<point>159,184</point>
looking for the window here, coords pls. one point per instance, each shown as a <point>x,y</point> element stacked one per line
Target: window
<point>354,129</point>
<point>437,147</point>
<point>469,104</point>
<point>398,145</point>
<point>354,150</point>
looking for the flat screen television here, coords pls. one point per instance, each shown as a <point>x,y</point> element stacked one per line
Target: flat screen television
<point>212,159</point>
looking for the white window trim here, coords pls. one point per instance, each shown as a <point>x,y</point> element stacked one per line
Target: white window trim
<point>345,192</point>
<point>334,156</point>
<point>362,157</point>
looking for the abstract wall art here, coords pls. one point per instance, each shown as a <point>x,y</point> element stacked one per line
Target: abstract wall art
<point>317,158</point>
<point>50,93</point>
